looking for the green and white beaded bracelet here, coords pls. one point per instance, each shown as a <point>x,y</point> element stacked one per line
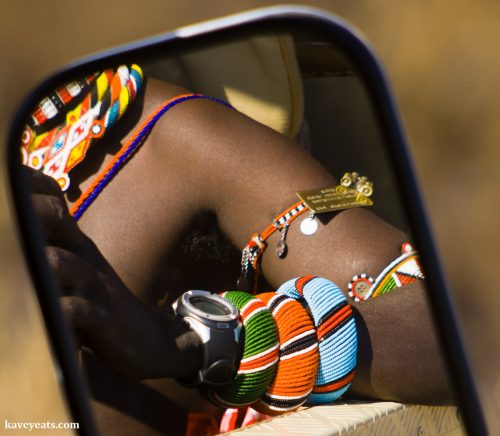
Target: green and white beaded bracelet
<point>260,353</point>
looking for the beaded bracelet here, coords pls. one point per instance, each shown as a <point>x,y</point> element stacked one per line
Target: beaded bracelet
<point>336,332</point>
<point>402,271</point>
<point>298,356</point>
<point>254,249</point>
<point>260,353</point>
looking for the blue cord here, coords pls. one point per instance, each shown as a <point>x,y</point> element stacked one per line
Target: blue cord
<point>132,148</point>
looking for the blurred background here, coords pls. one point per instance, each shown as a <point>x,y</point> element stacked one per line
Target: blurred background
<point>443,62</point>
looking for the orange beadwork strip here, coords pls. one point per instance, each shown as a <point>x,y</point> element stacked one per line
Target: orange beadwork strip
<point>254,249</point>
<point>271,228</point>
<point>249,308</point>
<point>295,376</point>
<point>334,321</point>
<point>268,358</point>
<point>122,151</point>
<point>300,283</point>
<point>64,95</point>
<point>406,280</point>
<point>289,382</point>
<point>292,328</point>
<point>115,87</point>
<point>336,384</point>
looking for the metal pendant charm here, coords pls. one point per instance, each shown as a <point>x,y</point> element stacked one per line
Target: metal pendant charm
<point>281,249</point>
<point>309,226</point>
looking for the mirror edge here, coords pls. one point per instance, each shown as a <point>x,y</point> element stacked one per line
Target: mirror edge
<point>395,140</point>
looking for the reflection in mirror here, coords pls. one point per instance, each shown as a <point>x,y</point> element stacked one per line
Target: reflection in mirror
<point>169,191</point>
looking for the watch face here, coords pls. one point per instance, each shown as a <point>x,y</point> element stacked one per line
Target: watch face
<point>209,306</point>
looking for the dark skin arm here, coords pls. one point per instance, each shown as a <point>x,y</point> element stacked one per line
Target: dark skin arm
<point>256,178</point>
<point>396,330</point>
<point>206,157</point>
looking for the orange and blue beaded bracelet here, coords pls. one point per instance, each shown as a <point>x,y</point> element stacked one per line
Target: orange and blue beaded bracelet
<point>336,332</point>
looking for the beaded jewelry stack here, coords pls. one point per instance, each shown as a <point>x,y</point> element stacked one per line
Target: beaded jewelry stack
<point>289,358</point>
<point>300,343</point>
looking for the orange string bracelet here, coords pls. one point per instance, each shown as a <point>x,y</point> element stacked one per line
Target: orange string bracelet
<point>254,249</point>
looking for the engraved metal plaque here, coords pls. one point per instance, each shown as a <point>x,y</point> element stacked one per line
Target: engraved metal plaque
<point>333,198</point>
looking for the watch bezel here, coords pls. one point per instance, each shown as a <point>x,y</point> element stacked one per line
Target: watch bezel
<point>201,315</point>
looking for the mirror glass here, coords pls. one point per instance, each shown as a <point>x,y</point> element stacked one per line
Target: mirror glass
<point>174,210</point>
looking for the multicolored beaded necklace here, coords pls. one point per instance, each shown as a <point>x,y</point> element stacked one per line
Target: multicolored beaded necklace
<point>58,150</point>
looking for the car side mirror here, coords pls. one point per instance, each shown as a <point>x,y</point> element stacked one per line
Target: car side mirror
<point>303,73</point>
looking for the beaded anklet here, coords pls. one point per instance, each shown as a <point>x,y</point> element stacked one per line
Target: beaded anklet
<point>336,332</point>
<point>298,356</point>
<point>128,150</point>
<point>260,353</point>
<point>254,249</point>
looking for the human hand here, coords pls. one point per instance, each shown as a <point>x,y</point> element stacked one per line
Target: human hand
<point>130,337</point>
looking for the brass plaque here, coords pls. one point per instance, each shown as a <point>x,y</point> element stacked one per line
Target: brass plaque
<point>333,198</point>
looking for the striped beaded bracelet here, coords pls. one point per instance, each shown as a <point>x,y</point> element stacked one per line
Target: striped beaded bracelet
<point>260,353</point>
<point>298,356</point>
<point>336,332</point>
<point>402,271</point>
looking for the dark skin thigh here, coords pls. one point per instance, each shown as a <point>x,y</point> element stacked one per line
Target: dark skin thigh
<point>204,157</point>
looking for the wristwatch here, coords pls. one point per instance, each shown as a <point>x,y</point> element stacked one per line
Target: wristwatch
<point>218,324</point>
